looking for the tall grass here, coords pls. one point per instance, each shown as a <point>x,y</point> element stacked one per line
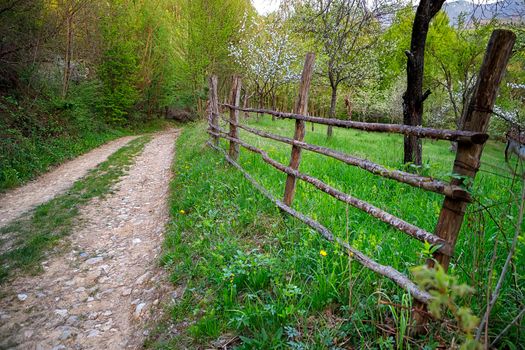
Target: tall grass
<point>256,279</point>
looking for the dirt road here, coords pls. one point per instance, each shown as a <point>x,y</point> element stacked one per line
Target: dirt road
<point>106,288</point>
<point>20,200</point>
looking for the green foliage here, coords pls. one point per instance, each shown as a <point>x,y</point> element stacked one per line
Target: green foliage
<point>212,26</point>
<point>118,73</point>
<point>445,291</point>
<point>266,279</point>
<point>428,250</point>
<point>36,136</point>
<point>393,62</point>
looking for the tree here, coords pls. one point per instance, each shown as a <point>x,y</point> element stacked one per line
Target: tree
<point>454,58</point>
<point>210,26</point>
<point>70,10</point>
<point>346,33</point>
<point>414,97</point>
<point>266,56</point>
<point>24,26</point>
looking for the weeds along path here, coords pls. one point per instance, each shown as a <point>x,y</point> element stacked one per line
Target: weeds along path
<point>103,292</point>
<point>20,200</point>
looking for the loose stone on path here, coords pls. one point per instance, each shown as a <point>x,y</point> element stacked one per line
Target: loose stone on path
<point>102,293</point>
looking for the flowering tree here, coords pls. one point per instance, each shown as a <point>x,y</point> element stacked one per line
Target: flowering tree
<point>266,57</point>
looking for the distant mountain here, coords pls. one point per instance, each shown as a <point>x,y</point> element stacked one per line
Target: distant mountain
<point>506,11</point>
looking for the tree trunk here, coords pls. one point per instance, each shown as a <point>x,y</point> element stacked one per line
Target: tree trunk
<point>348,104</point>
<point>333,103</point>
<point>274,104</point>
<point>261,105</point>
<point>413,97</point>
<point>200,107</point>
<point>69,49</point>
<point>245,104</point>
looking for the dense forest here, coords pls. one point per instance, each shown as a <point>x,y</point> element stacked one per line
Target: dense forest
<point>72,72</point>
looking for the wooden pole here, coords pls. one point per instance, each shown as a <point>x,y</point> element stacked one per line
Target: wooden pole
<point>301,107</point>
<point>466,165</point>
<point>214,107</point>
<point>235,99</point>
<point>419,131</point>
<point>477,117</point>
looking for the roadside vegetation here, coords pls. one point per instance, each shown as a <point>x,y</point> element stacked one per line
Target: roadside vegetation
<point>75,74</point>
<point>250,277</point>
<point>25,242</point>
<point>31,145</point>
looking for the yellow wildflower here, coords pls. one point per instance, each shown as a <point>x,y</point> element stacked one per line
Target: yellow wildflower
<point>182,211</point>
<point>323,252</point>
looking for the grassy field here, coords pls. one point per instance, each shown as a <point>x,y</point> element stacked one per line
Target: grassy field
<point>253,278</point>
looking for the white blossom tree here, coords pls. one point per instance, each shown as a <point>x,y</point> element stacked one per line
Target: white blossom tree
<point>266,57</point>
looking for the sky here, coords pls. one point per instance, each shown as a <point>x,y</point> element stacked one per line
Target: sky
<point>265,6</point>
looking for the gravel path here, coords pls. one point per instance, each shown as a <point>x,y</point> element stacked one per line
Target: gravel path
<point>20,200</point>
<point>105,290</point>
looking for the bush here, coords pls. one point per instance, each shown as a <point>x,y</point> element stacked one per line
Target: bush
<point>38,133</point>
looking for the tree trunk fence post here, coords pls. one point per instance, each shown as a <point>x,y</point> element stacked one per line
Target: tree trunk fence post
<point>477,117</point>
<point>235,99</point>
<point>214,109</point>
<point>468,156</point>
<point>301,107</point>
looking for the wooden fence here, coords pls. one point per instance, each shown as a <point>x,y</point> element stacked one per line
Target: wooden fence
<point>470,146</point>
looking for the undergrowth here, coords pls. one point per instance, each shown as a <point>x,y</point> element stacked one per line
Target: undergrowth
<point>253,278</point>
<point>38,133</point>
<point>25,242</point>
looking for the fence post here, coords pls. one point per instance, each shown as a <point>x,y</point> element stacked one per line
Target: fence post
<point>214,108</point>
<point>466,164</point>
<point>477,118</point>
<point>235,98</point>
<point>301,107</point>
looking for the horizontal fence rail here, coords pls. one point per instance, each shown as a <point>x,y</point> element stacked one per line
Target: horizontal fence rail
<point>401,225</point>
<point>470,141</point>
<point>418,131</point>
<point>387,271</point>
<point>426,183</point>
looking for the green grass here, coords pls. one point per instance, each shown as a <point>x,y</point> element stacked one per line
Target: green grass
<point>22,158</point>
<point>24,243</point>
<point>256,277</point>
